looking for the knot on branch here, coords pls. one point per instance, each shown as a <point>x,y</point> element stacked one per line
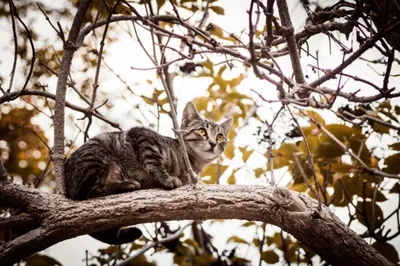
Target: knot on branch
<point>68,45</point>
<point>288,200</point>
<point>285,31</point>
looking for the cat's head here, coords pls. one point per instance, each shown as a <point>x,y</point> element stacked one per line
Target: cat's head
<point>204,139</point>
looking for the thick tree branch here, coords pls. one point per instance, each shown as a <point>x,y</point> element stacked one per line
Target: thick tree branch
<point>295,213</point>
<point>18,221</point>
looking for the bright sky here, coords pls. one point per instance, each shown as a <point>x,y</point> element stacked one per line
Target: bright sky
<point>126,53</point>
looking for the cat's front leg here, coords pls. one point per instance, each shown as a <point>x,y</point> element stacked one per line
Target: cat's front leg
<point>193,178</point>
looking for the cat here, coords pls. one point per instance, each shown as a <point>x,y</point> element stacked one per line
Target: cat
<point>140,158</point>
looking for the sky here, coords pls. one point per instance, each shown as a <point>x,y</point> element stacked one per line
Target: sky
<point>125,53</point>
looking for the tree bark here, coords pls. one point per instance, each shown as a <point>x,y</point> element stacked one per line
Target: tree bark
<point>295,213</point>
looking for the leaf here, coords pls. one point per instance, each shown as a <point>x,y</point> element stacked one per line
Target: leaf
<point>258,172</point>
<point>356,146</point>
<point>316,116</point>
<point>339,196</point>
<point>283,155</point>
<point>270,257</point>
<point>369,193</point>
<point>231,180</point>
<point>395,188</point>
<point>342,132</point>
<point>397,110</point>
<point>382,129</point>
<point>392,164</point>
<point>299,187</point>
<point>230,150</point>
<point>160,3</point>
<point>328,149</point>
<point>387,250</point>
<point>368,213</point>
<point>41,260</point>
<point>395,146</point>
<point>385,104</point>
<point>246,155</point>
<point>249,223</point>
<point>123,10</point>
<point>212,170</point>
<point>217,9</point>
<point>208,64</point>
<point>237,239</point>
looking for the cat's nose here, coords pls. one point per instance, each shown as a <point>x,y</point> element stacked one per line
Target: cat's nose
<point>212,144</point>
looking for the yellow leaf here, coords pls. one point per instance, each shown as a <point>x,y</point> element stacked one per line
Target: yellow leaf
<point>246,155</point>
<point>231,180</point>
<point>217,9</point>
<point>258,172</point>
<point>237,239</point>
<point>230,150</point>
<point>209,65</point>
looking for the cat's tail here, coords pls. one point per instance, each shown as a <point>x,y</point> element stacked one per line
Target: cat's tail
<point>118,236</point>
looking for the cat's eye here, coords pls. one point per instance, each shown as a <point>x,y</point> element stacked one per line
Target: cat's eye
<point>202,132</point>
<point>220,137</point>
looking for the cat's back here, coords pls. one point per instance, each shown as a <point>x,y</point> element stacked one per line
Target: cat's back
<point>91,162</point>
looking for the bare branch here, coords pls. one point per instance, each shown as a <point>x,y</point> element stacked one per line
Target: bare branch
<point>69,50</point>
<point>367,45</point>
<point>287,27</point>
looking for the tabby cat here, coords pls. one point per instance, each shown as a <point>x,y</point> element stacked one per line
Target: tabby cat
<point>140,158</point>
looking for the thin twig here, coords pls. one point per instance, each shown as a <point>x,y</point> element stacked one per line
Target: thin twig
<point>153,244</point>
<point>12,74</point>
<point>374,171</point>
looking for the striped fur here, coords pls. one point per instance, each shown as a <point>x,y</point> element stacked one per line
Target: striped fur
<point>140,158</point>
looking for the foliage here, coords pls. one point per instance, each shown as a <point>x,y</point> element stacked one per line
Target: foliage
<point>349,162</point>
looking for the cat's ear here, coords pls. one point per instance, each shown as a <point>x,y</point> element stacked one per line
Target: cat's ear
<point>226,125</point>
<point>190,113</point>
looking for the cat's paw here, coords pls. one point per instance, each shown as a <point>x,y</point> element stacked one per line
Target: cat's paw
<point>133,185</point>
<point>171,182</point>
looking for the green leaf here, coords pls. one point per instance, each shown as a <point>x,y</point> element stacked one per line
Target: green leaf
<point>270,257</point>
<point>237,239</point>
<point>217,9</point>
<point>387,250</point>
